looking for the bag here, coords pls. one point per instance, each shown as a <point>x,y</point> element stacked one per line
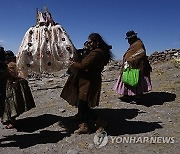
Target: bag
<point>130,76</point>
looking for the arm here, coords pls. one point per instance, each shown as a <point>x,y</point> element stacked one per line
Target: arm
<point>138,55</point>
<point>92,59</point>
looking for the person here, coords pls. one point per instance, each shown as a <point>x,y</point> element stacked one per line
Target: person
<point>135,57</point>
<point>71,86</point>
<point>18,94</point>
<point>88,83</point>
<point>3,73</point>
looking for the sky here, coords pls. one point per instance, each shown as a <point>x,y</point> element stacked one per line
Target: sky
<point>157,22</point>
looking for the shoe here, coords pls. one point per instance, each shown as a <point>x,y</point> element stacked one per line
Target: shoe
<point>10,124</point>
<point>83,129</point>
<point>100,125</point>
<point>132,102</point>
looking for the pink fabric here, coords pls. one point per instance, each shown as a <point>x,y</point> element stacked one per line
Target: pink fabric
<point>143,86</point>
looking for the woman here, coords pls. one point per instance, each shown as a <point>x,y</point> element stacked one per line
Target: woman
<point>89,82</point>
<point>135,57</point>
<point>18,94</point>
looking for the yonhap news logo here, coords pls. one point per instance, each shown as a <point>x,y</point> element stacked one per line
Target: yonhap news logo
<point>101,139</point>
<point>139,139</point>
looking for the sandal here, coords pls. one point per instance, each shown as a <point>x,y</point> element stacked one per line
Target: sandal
<point>10,124</point>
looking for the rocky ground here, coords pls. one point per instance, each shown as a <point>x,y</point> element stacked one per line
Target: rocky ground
<point>49,127</point>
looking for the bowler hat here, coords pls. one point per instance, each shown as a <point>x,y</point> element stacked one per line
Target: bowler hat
<point>130,34</point>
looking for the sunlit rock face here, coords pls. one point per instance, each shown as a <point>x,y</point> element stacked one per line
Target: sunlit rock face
<point>45,48</point>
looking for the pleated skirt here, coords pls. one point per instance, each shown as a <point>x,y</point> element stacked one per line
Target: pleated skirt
<point>143,86</point>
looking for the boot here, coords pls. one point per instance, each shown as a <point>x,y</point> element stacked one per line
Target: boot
<point>100,125</point>
<point>83,129</point>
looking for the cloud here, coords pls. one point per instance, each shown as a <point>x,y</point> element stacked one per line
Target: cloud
<point>2,42</point>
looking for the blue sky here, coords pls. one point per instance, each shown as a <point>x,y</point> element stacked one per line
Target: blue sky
<point>157,22</point>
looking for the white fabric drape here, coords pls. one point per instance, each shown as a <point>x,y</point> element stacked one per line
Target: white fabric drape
<point>44,49</point>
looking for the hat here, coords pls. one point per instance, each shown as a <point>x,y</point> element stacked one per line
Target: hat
<point>130,34</point>
<point>10,55</point>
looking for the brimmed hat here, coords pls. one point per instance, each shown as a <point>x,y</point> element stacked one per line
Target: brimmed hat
<point>130,34</point>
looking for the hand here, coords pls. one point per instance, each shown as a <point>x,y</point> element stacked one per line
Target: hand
<point>130,60</point>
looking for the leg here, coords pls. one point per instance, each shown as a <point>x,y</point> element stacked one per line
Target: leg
<point>83,127</point>
<point>82,109</point>
<point>100,123</point>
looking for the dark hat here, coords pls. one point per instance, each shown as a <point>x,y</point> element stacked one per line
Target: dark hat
<point>1,48</point>
<point>10,55</point>
<point>130,34</point>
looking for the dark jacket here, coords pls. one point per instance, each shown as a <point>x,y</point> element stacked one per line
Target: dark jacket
<point>87,81</point>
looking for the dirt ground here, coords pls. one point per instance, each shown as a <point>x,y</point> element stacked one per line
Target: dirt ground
<point>152,126</point>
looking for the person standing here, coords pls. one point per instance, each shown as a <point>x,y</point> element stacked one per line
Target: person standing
<point>89,82</point>
<point>3,80</point>
<point>71,88</point>
<point>135,57</point>
<point>18,98</point>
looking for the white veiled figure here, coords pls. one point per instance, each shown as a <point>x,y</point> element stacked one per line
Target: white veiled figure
<point>44,49</point>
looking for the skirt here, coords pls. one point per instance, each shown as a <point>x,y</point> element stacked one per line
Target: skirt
<point>143,86</point>
<point>18,100</point>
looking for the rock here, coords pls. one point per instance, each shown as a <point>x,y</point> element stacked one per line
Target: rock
<point>62,110</point>
<point>73,152</point>
<point>163,56</point>
<point>157,116</point>
<point>91,146</point>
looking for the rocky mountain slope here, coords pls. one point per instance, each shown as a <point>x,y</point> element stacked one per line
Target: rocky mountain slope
<point>49,127</point>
